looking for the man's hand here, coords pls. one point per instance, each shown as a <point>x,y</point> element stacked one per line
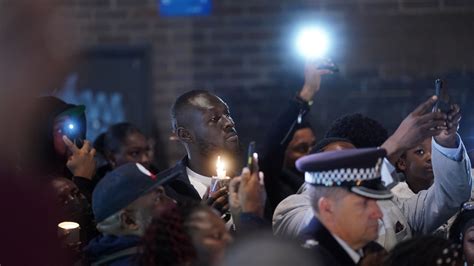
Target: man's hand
<point>447,138</point>
<point>252,193</point>
<point>416,127</point>
<point>217,200</point>
<point>81,162</point>
<point>247,193</point>
<point>312,80</point>
<point>234,200</point>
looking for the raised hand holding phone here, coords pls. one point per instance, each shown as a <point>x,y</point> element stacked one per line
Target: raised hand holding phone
<point>443,103</point>
<point>81,162</point>
<point>252,157</point>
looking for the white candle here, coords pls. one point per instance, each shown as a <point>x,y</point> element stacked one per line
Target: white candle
<point>70,231</point>
<point>68,225</point>
<point>220,169</point>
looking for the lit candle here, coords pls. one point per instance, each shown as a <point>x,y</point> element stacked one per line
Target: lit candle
<point>68,225</point>
<point>220,168</point>
<point>70,231</point>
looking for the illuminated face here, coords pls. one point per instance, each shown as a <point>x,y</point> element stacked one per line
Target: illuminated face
<point>211,125</point>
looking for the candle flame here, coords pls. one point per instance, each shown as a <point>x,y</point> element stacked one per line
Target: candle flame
<point>220,164</point>
<point>220,168</point>
<point>68,225</point>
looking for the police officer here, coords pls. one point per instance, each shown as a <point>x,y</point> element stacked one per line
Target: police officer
<point>345,187</point>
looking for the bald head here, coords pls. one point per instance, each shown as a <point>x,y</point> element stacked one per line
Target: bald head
<point>202,122</point>
<point>187,103</point>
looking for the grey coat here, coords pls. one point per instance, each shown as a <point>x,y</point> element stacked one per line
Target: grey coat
<point>420,214</point>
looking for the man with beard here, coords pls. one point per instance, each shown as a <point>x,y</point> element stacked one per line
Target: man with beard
<point>203,124</point>
<point>124,202</point>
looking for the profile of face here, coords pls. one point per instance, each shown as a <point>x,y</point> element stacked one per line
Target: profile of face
<point>210,126</point>
<point>139,214</point>
<point>136,149</point>
<point>337,146</point>
<point>209,236</point>
<point>302,142</point>
<point>416,165</point>
<point>468,245</point>
<point>352,218</point>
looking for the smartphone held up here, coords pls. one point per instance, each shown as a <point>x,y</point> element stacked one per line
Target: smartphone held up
<point>443,103</point>
<point>252,158</point>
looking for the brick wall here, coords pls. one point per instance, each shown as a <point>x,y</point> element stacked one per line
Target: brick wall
<point>389,50</point>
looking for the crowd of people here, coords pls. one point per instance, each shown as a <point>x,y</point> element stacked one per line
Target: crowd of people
<point>358,196</point>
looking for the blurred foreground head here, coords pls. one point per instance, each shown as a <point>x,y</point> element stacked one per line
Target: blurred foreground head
<point>266,250</point>
<point>36,53</point>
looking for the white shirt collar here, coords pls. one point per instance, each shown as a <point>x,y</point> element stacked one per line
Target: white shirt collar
<point>355,255</point>
<point>199,182</point>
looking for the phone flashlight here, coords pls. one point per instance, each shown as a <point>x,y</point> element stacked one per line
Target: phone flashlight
<point>71,130</point>
<point>312,43</point>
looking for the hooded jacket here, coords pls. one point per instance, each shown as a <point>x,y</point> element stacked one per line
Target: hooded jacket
<point>41,158</point>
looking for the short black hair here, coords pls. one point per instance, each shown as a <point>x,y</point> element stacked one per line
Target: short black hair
<point>325,142</point>
<point>180,105</point>
<point>115,136</point>
<point>362,131</point>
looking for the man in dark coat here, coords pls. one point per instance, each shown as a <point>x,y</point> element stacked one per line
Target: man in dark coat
<point>203,124</point>
<point>345,187</point>
<point>124,202</point>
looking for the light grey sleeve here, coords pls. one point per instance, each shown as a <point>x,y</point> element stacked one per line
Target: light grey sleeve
<point>292,215</point>
<point>430,208</point>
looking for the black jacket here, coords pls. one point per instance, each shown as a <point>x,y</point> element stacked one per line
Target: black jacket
<point>113,250</point>
<point>281,183</point>
<point>179,188</point>
<point>40,157</point>
<point>325,247</point>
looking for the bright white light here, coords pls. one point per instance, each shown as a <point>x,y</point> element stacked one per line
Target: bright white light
<point>68,225</point>
<point>312,43</point>
<point>71,126</point>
